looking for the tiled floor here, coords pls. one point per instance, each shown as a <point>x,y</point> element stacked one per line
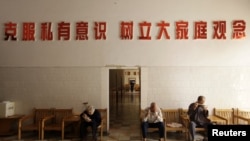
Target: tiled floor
<point>124,122</point>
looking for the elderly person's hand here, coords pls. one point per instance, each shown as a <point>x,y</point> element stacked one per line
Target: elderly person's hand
<point>86,118</point>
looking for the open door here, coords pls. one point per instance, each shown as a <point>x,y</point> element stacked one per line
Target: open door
<point>124,96</point>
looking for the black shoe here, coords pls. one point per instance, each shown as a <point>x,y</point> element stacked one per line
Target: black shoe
<point>84,138</point>
<point>205,139</point>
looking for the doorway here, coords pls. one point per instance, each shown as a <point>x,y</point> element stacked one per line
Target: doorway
<point>124,98</point>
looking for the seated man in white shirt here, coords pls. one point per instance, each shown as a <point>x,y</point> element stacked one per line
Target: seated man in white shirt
<point>153,118</point>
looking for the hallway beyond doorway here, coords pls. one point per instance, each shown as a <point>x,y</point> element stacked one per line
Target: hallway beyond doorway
<point>124,115</point>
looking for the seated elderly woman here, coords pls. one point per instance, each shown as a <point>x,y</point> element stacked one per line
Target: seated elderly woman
<point>90,117</point>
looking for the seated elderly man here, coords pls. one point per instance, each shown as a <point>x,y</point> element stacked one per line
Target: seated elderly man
<point>153,118</point>
<point>198,115</point>
<point>90,117</point>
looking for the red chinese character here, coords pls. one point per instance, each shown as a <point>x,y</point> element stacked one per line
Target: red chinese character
<point>162,25</point>
<point>29,31</point>
<point>200,30</point>
<point>46,32</point>
<point>181,30</point>
<point>145,26</point>
<point>219,30</point>
<point>127,30</point>
<point>10,31</point>
<point>239,27</point>
<point>100,30</point>
<point>81,31</point>
<point>63,31</point>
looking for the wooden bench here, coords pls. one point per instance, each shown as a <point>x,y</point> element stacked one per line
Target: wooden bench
<point>242,116</point>
<point>222,116</point>
<point>226,114</point>
<point>42,120</point>
<point>173,122</point>
<point>101,128</point>
<point>58,121</point>
<point>32,122</point>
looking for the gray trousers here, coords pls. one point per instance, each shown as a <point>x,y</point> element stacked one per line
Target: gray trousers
<point>194,125</point>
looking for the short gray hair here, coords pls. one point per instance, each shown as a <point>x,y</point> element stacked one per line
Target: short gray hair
<point>90,109</point>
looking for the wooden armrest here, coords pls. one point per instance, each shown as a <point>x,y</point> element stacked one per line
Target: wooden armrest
<point>184,117</point>
<point>69,119</point>
<point>243,118</point>
<point>47,118</point>
<point>185,121</point>
<point>164,119</point>
<point>72,118</point>
<point>222,118</point>
<point>102,122</point>
<point>24,118</point>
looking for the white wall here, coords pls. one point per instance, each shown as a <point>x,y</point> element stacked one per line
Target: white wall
<point>173,72</point>
<point>223,87</point>
<point>115,51</point>
<point>48,87</point>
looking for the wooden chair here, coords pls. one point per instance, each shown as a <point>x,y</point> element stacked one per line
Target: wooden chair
<point>142,113</point>
<point>183,112</point>
<point>184,118</point>
<point>137,87</point>
<point>32,122</point>
<point>173,121</point>
<point>103,124</point>
<point>186,123</point>
<point>226,114</point>
<point>242,116</point>
<point>56,122</point>
<point>126,87</point>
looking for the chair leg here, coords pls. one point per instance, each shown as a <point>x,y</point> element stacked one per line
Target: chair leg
<point>101,134</point>
<point>42,135</point>
<point>63,125</point>
<point>186,136</point>
<point>19,134</point>
<point>39,131</point>
<point>62,134</point>
<point>189,136</point>
<point>165,136</point>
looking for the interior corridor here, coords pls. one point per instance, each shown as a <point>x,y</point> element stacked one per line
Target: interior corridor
<point>124,116</point>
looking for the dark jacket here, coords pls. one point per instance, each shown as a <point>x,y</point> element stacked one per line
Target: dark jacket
<point>96,116</point>
<point>198,115</point>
